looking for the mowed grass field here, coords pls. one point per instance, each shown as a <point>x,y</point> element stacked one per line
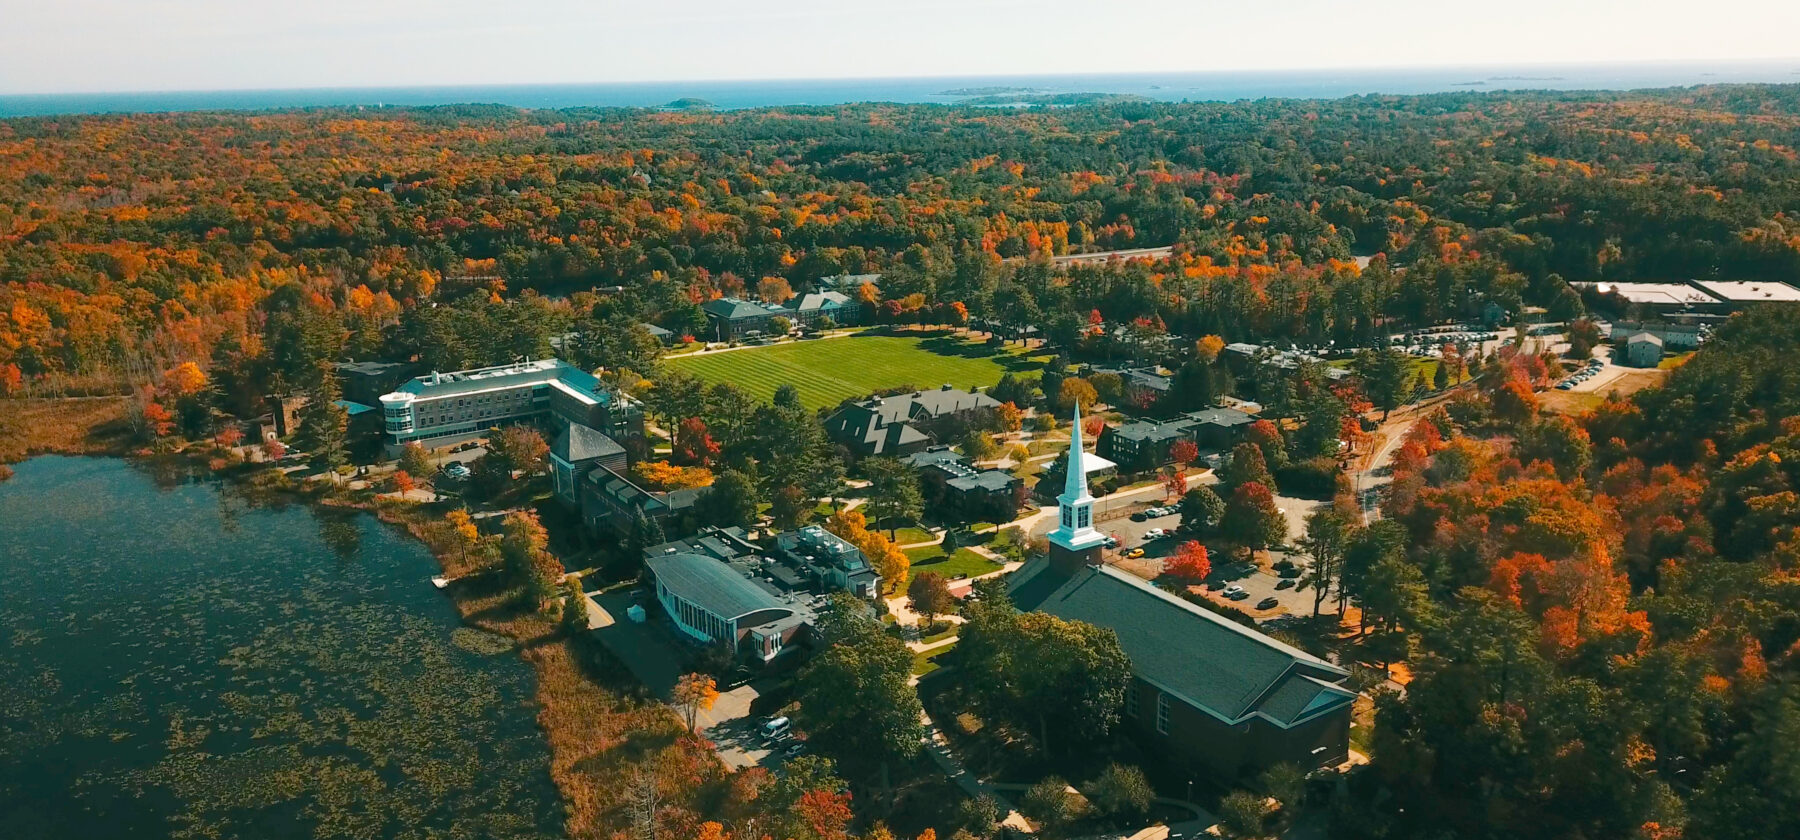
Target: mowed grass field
<point>828,371</point>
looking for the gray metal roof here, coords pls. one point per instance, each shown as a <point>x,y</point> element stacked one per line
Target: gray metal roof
<point>1146,431</point>
<point>1220,417</point>
<point>735,309</point>
<point>992,480</point>
<point>933,455</point>
<point>1208,660</point>
<point>711,585</point>
<point>816,301</point>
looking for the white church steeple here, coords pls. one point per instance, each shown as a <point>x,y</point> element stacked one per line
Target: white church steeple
<point>1075,507</point>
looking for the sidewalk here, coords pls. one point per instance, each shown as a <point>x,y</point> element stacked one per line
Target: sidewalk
<point>938,745</point>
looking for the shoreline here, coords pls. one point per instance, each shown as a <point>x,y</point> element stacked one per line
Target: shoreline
<point>588,706</point>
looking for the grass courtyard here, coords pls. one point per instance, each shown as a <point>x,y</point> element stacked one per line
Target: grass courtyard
<point>829,371</point>
<point>964,562</point>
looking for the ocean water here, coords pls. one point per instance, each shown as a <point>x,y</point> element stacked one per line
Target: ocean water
<point>1171,87</point>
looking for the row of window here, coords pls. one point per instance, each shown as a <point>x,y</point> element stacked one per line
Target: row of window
<point>694,618</point>
<point>1162,708</point>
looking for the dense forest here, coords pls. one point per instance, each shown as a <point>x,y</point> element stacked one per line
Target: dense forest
<point>129,244</point>
<point>1603,614</point>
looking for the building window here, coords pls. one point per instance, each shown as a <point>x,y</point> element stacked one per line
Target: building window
<point>1162,712</point>
<point>1131,701</point>
<point>1068,520</point>
<point>1084,518</point>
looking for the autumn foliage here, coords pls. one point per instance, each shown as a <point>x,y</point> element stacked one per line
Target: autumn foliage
<point>1189,562</point>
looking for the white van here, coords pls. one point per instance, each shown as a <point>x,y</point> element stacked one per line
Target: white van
<point>775,728</point>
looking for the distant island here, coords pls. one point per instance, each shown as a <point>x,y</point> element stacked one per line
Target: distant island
<point>994,90</point>
<point>1525,78</point>
<point>689,103</point>
<point>1090,98</point>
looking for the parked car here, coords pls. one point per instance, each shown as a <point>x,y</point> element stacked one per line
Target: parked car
<point>1111,542</point>
<point>1155,534</point>
<point>775,728</point>
<point>794,750</point>
<point>1134,553</point>
<point>1238,596</point>
<point>1268,603</point>
<point>1284,583</point>
<point>1140,516</point>
<point>1233,590</point>
<point>456,469</point>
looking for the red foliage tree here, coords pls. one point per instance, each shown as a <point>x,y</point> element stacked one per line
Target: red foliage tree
<point>826,812</point>
<point>157,420</point>
<point>694,446</point>
<point>1189,562</point>
<point>1184,452</point>
<point>1174,482</point>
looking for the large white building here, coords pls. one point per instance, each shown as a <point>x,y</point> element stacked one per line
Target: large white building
<point>444,408</point>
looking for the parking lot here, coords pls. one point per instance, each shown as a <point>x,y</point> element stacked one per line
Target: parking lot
<point>658,659</point>
<point>1258,584</point>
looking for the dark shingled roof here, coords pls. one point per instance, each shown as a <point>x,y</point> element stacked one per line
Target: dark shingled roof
<point>711,585</point>
<point>1205,659</point>
<point>579,443</point>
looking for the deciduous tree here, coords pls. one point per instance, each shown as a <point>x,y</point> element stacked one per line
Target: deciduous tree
<point>1189,562</point>
<point>694,693</point>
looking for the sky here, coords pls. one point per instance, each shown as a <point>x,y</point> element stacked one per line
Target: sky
<point>70,46</point>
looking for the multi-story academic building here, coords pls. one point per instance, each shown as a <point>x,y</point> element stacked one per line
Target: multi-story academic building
<point>444,408</point>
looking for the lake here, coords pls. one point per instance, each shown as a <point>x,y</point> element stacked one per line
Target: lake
<point>181,657</point>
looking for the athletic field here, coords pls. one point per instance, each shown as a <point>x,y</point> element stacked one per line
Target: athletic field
<point>828,371</point>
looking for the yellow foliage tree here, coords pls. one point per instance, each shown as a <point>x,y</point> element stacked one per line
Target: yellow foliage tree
<point>889,561</point>
<point>694,693</point>
<point>661,475</point>
<point>184,380</point>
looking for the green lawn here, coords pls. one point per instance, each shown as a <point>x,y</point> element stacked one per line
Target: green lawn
<point>964,562</point>
<point>1415,365</point>
<point>925,663</point>
<point>912,534</point>
<point>829,371</point>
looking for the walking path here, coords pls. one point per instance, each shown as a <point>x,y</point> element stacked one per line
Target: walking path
<point>938,745</point>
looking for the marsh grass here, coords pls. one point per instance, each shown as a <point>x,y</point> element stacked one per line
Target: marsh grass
<point>603,727</point>
<point>76,426</point>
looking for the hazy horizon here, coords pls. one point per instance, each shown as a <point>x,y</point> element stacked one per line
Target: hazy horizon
<point>1788,64</point>
<point>106,46</point>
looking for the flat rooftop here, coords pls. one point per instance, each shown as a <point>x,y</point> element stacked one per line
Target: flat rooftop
<point>1757,291</point>
<point>1653,294</point>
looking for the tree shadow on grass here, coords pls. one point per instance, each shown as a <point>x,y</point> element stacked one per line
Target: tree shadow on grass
<point>948,346</point>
